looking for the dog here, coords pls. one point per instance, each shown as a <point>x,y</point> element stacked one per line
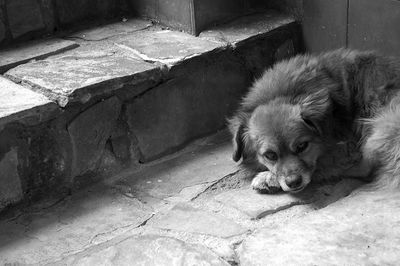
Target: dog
<point>314,117</point>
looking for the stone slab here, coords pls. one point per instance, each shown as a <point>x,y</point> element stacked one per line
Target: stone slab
<point>363,229</point>
<point>24,16</point>
<point>257,205</point>
<point>48,232</point>
<point>246,27</point>
<point>165,46</point>
<point>10,184</point>
<point>18,103</point>
<point>148,250</point>
<point>89,132</point>
<point>183,176</point>
<point>18,55</point>
<point>82,74</point>
<point>105,32</point>
<point>186,218</point>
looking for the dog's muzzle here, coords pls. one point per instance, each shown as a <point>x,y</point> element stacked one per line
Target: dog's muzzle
<point>292,183</point>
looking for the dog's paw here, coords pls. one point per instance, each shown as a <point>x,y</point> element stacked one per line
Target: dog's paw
<point>265,182</point>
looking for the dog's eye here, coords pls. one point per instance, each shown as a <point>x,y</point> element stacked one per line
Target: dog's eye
<point>302,147</point>
<point>271,155</point>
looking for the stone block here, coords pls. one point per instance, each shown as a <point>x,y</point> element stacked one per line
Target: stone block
<point>19,104</point>
<point>24,16</point>
<point>10,183</point>
<point>193,103</point>
<point>2,30</point>
<point>21,54</point>
<point>209,13</point>
<point>165,46</point>
<point>262,52</point>
<point>143,8</point>
<point>176,14</point>
<point>45,152</point>
<point>73,11</point>
<point>49,15</point>
<point>89,132</point>
<point>184,217</point>
<point>81,74</point>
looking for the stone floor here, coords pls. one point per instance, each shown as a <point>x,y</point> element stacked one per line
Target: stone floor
<point>192,208</point>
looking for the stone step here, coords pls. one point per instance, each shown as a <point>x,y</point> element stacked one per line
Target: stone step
<point>130,93</point>
<point>33,51</point>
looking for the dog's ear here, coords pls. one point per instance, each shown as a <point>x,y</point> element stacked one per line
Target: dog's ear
<point>238,130</point>
<point>238,143</point>
<point>314,108</point>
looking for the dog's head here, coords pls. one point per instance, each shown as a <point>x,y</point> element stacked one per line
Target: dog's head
<point>285,137</point>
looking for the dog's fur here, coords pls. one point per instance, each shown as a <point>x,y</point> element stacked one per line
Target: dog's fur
<point>309,111</point>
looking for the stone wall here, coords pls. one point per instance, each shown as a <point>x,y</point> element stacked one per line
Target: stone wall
<point>76,115</point>
<point>26,19</point>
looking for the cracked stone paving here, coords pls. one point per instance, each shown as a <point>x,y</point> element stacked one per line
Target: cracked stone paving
<point>193,208</point>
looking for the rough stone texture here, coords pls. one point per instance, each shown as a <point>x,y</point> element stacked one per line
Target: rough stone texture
<point>258,205</point>
<point>184,217</point>
<point>165,46</point>
<point>285,50</point>
<point>10,184</point>
<point>148,250</point>
<point>24,16</point>
<point>51,231</point>
<point>110,30</point>
<point>82,74</point>
<point>19,104</point>
<point>247,27</point>
<point>2,30</point>
<point>49,15</point>
<point>76,10</point>
<point>36,50</point>
<point>182,177</point>
<point>195,102</point>
<point>363,229</point>
<point>89,132</point>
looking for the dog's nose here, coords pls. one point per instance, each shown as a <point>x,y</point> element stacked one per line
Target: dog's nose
<point>293,181</point>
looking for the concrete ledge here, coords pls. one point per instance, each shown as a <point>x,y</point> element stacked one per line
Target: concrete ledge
<point>126,97</point>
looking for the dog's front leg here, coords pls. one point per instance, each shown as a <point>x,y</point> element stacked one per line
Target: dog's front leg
<point>266,182</point>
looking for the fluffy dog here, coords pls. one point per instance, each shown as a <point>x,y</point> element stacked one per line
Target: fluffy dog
<point>318,116</point>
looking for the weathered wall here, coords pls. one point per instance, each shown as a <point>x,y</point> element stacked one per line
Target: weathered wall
<point>364,25</point>
<point>26,19</point>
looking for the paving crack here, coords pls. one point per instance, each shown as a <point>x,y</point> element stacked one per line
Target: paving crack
<point>134,226</point>
<point>235,260</point>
